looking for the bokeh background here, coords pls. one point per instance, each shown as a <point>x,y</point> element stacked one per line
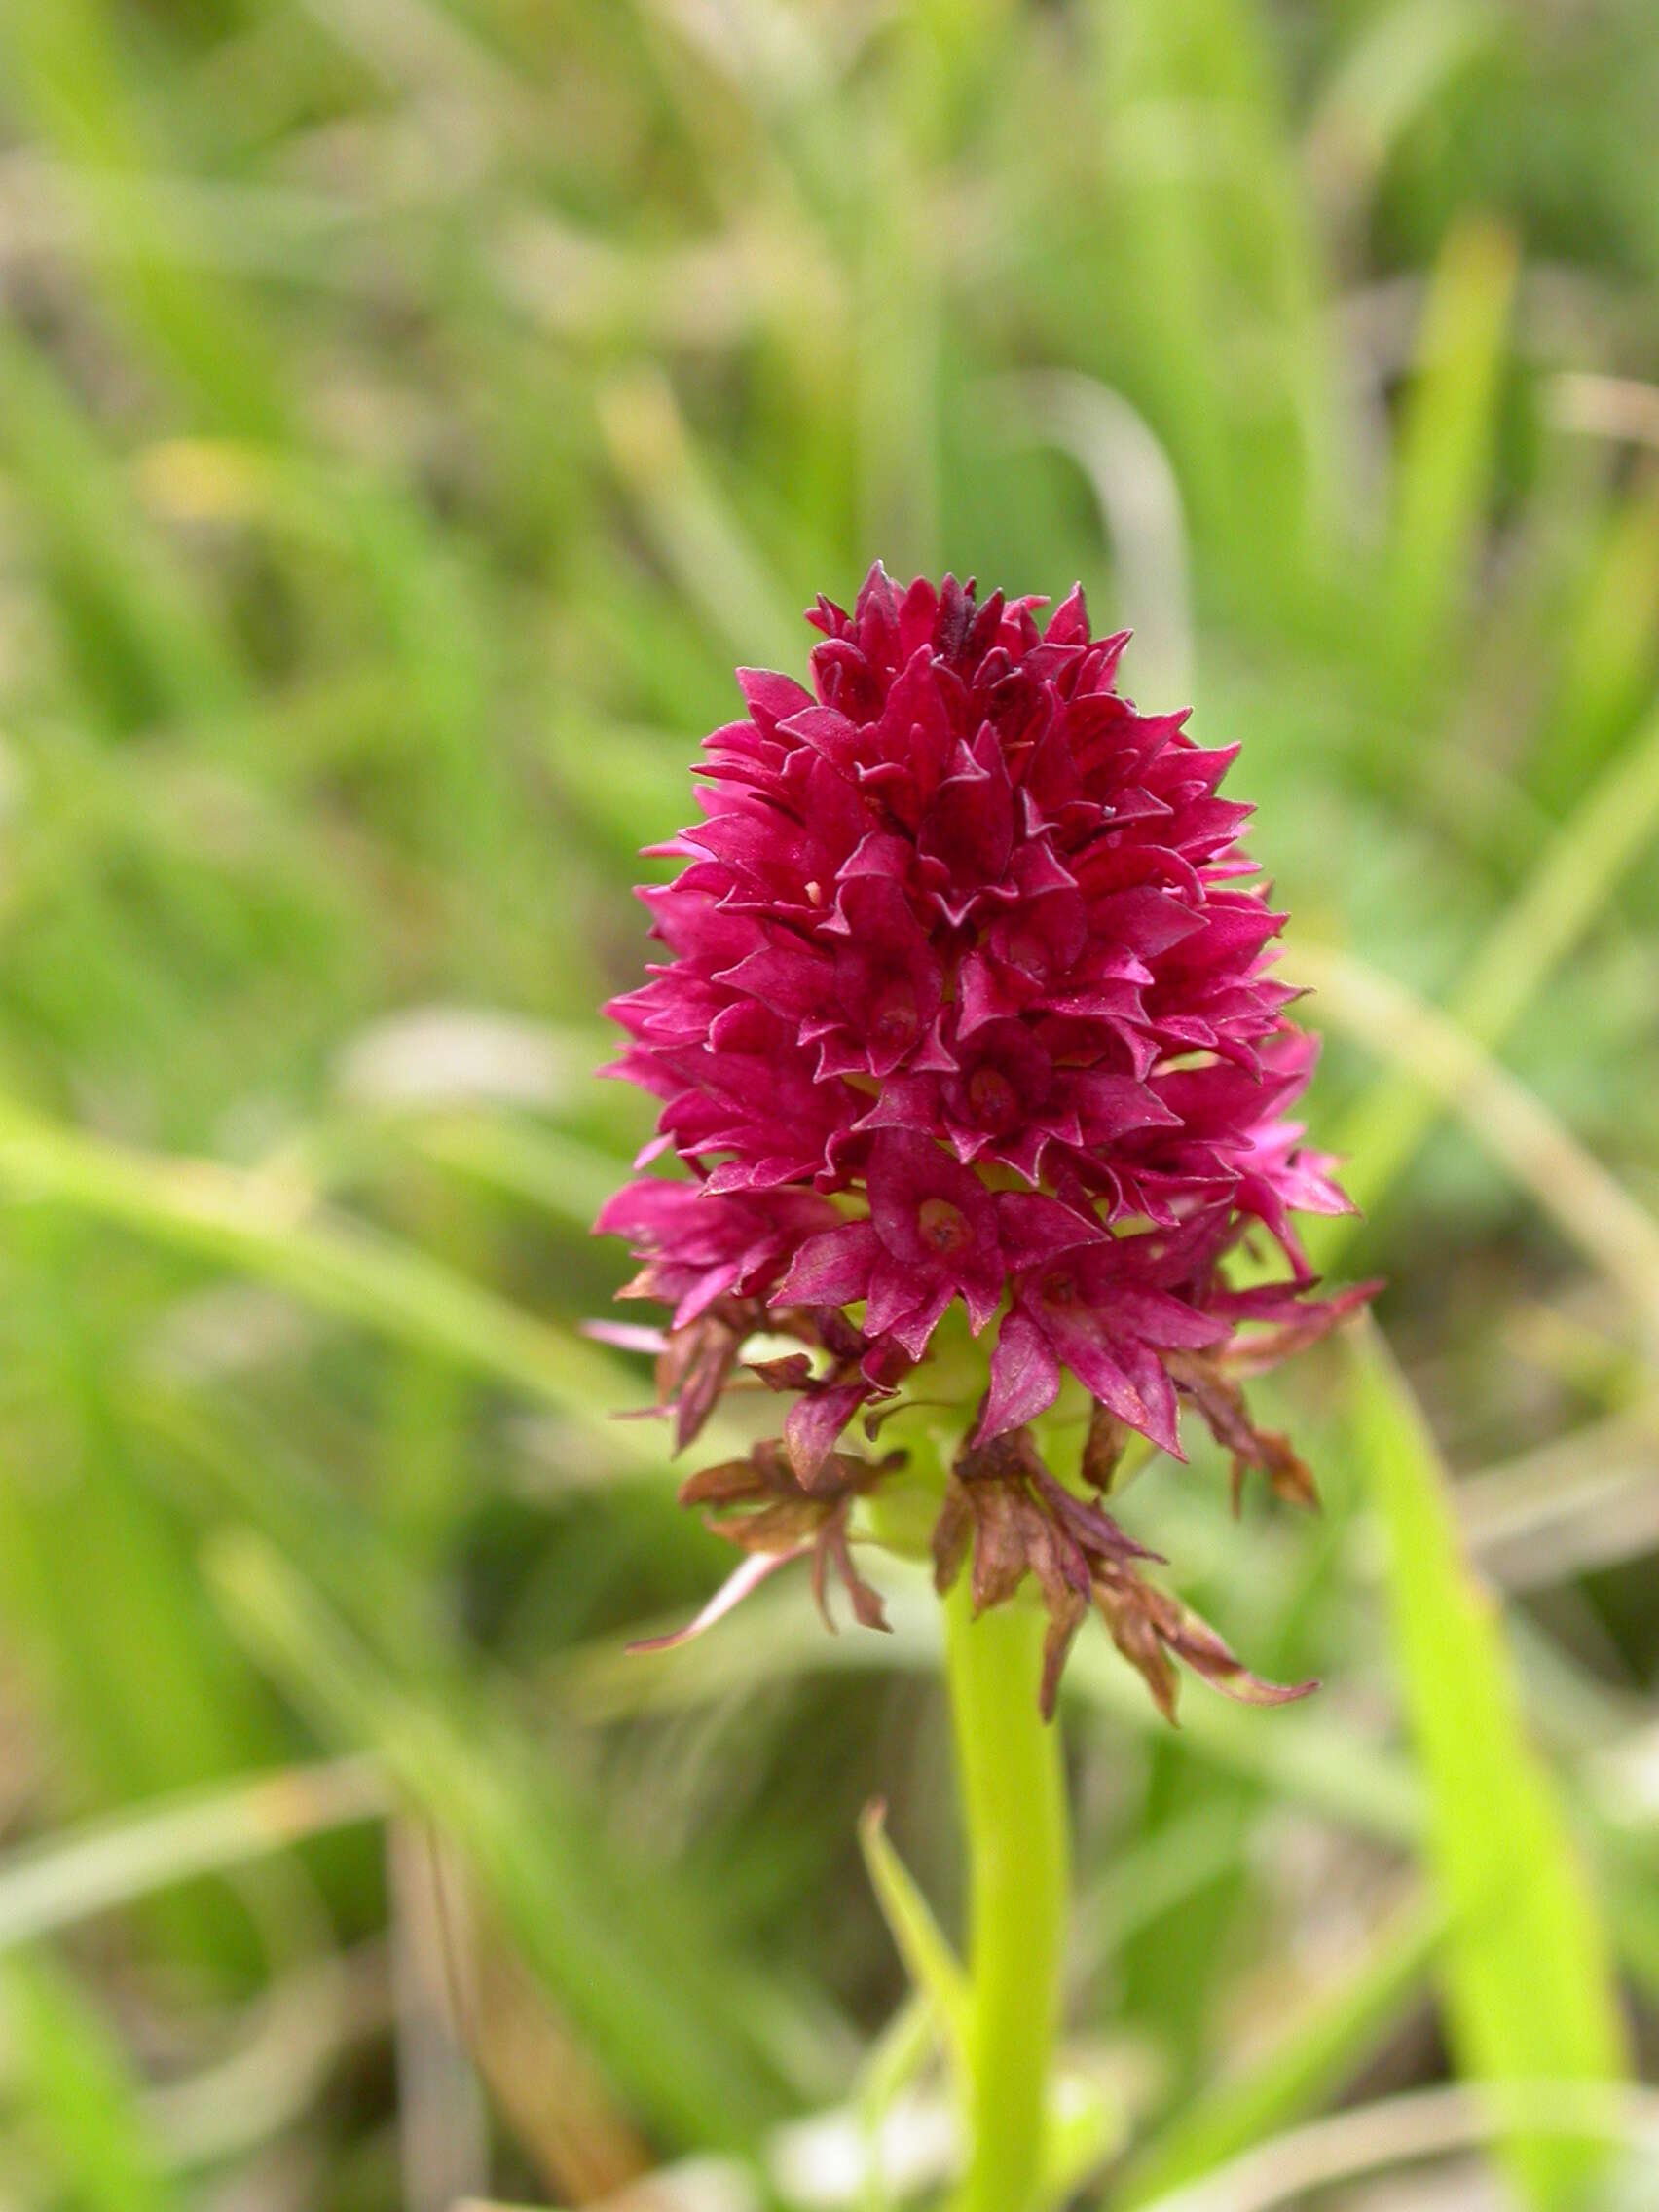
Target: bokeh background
<point>409,410</point>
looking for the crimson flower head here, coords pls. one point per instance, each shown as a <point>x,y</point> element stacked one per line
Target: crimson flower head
<point>966,1023</point>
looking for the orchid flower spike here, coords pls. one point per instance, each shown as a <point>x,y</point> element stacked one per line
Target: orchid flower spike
<point>967,1029</point>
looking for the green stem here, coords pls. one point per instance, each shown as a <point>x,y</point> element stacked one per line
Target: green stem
<point>1014,1809</point>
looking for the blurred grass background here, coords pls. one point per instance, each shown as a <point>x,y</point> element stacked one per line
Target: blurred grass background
<point>409,411</point>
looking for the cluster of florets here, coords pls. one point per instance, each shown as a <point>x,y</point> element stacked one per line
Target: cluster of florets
<point>966,999</point>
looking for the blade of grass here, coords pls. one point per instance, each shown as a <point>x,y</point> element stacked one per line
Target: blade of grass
<point>1609,660</point>
<point>1444,467</point>
<point>78,2090</point>
<point>341,1551</point>
<point>1303,2067</point>
<point>62,1879</point>
<point>1589,1208</point>
<point>139,608</point>
<point>1383,2138</point>
<point>66,76</point>
<point>79,1513</point>
<point>935,1970</point>
<point>894,318</point>
<point>1396,65</point>
<point>1210,236</point>
<point>1526,1969</point>
<point>565,1177</point>
<point>1579,873</point>
<point>232,1219</point>
<point>689,522</point>
<point>421,595</point>
<point>617,1945</point>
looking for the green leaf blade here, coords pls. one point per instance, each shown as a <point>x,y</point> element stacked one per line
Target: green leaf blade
<point>1527,1971</point>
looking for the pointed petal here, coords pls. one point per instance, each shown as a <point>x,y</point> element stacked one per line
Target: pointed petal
<point>1025,1378</point>
<point>755,1571</point>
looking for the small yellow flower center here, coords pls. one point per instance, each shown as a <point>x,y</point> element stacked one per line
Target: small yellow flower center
<point>943,1227</point>
<point>992,1098</point>
<point>894,1016</point>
